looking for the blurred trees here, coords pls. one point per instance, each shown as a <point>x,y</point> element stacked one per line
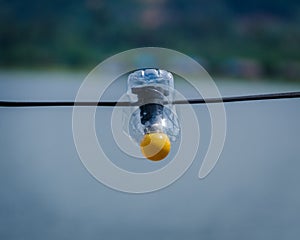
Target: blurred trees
<point>224,34</point>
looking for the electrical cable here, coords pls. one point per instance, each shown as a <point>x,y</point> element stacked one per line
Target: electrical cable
<point>257,97</point>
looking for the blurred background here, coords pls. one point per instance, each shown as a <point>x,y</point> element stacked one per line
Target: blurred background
<point>250,39</point>
<point>46,50</point>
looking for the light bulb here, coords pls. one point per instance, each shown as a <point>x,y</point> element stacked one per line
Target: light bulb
<point>154,124</point>
<point>155,146</point>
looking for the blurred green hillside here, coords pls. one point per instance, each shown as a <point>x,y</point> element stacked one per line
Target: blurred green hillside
<point>258,38</point>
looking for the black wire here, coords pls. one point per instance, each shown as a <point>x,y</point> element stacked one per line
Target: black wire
<point>123,104</point>
<point>243,98</point>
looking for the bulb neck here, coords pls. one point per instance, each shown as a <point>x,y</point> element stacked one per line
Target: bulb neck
<point>151,115</point>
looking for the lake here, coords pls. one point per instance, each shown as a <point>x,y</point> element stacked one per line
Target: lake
<point>46,192</point>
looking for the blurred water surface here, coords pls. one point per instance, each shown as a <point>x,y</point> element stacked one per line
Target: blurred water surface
<point>46,193</point>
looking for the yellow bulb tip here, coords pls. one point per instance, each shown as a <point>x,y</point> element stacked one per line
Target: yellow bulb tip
<point>155,146</point>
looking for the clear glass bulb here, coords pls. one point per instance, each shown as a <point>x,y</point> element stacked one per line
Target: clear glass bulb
<point>154,120</point>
